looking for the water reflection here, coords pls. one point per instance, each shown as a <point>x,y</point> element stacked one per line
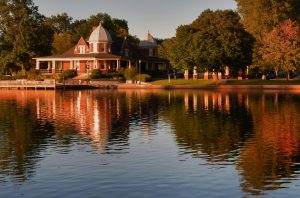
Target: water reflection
<point>211,125</point>
<point>270,158</point>
<point>21,140</point>
<point>256,133</point>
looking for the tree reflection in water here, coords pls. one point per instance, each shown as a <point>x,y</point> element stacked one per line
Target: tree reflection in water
<point>258,133</point>
<point>269,158</point>
<point>214,126</point>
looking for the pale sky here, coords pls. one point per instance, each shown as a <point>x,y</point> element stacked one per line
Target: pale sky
<point>160,17</point>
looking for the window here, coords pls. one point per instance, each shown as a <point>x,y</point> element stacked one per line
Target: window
<point>102,47</point>
<point>81,49</point>
<point>91,47</point>
<point>95,48</point>
<point>150,52</point>
<point>126,52</point>
<point>102,65</point>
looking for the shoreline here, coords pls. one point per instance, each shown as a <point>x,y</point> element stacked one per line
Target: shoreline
<point>213,87</point>
<point>52,84</point>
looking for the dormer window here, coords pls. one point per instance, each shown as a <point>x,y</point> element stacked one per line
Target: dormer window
<point>81,49</point>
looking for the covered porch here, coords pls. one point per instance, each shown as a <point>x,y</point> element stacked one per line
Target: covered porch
<point>55,66</point>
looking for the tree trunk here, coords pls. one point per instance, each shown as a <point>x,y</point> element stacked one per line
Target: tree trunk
<point>276,72</point>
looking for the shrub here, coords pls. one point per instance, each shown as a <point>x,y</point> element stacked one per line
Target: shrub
<point>6,77</point>
<point>68,74</point>
<point>34,75</point>
<point>130,73</point>
<point>96,74</point>
<point>21,75</point>
<point>144,77</point>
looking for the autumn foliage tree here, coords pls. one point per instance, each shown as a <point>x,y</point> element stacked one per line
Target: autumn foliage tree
<point>261,16</point>
<point>281,47</point>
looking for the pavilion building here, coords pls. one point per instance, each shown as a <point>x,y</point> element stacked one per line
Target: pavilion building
<point>103,52</point>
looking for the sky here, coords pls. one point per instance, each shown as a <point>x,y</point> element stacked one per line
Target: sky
<point>159,17</point>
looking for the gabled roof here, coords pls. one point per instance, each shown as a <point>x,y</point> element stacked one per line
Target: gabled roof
<point>133,51</point>
<point>81,42</point>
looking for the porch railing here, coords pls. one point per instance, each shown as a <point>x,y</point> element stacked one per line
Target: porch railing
<point>49,71</point>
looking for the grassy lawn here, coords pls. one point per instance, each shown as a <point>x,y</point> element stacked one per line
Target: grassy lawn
<point>183,82</point>
<point>228,82</point>
<point>263,82</point>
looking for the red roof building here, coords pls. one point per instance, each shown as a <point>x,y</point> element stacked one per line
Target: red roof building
<point>104,53</point>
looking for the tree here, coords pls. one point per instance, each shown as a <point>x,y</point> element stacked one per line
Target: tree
<point>23,34</point>
<point>221,40</point>
<point>281,47</point>
<point>61,23</point>
<point>166,50</point>
<point>61,42</point>
<point>117,27</point>
<point>215,39</point>
<point>261,16</point>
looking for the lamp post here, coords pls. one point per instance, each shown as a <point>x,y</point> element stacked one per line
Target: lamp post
<point>140,62</point>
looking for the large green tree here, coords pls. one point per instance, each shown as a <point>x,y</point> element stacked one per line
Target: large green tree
<point>61,23</point>
<point>117,27</point>
<point>215,39</point>
<point>220,40</point>
<point>23,34</point>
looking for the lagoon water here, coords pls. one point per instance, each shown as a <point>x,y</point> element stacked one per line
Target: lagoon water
<point>139,143</point>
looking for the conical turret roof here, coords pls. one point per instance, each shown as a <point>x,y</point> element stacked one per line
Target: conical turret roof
<point>148,42</point>
<point>100,34</point>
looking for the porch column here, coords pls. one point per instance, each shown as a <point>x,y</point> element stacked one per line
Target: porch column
<point>71,64</point>
<point>53,67</point>
<point>37,65</point>
<point>49,65</point>
<point>129,62</point>
<point>227,72</point>
<point>118,64</point>
<point>95,65</point>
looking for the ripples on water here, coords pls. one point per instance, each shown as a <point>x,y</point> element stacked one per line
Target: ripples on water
<point>148,144</point>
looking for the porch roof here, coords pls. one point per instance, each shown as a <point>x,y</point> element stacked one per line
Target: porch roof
<point>71,55</point>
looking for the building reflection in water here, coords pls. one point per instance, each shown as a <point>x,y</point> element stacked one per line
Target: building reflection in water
<point>258,133</point>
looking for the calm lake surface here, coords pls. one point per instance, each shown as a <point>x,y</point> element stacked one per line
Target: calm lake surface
<point>149,144</point>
